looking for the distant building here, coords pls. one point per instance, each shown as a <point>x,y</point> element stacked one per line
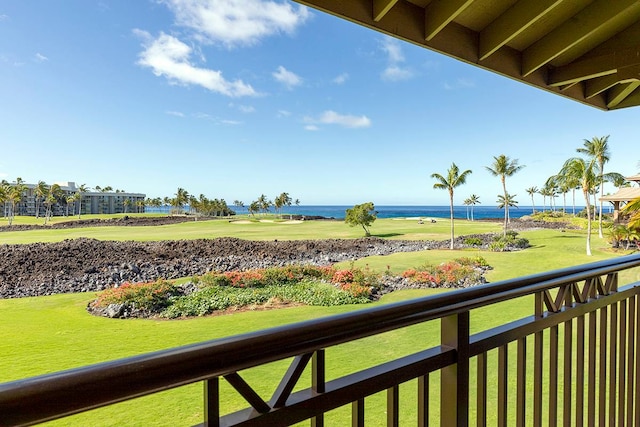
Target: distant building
<point>93,202</point>
<point>623,196</point>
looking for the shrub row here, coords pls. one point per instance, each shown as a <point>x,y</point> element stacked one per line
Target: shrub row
<point>310,285</point>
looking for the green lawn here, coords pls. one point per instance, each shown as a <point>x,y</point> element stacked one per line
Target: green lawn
<point>47,334</point>
<point>266,230</point>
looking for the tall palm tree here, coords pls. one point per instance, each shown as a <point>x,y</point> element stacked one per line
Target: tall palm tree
<point>79,192</point>
<point>51,198</point>
<point>264,203</point>
<point>40,191</point>
<point>532,190</point>
<point>506,202</point>
<point>473,200</point>
<point>633,209</point>
<point>13,195</point>
<point>503,166</point>
<point>467,203</point>
<point>452,180</point>
<point>584,171</point>
<point>598,149</point>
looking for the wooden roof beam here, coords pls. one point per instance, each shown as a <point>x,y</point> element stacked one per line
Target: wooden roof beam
<point>595,67</point>
<point>619,93</point>
<point>511,23</point>
<point>440,13</point>
<point>598,85</point>
<point>381,8</point>
<point>590,21</point>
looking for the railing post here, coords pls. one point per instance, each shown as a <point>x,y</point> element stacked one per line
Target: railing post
<point>454,379</point>
<point>212,402</point>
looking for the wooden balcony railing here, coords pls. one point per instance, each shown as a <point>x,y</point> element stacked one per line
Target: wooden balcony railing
<point>584,363</point>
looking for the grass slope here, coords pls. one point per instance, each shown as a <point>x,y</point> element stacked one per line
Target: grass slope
<point>48,334</point>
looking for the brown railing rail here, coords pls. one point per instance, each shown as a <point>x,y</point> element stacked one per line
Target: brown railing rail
<point>600,370</point>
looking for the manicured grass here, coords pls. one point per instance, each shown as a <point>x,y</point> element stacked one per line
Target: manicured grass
<point>48,334</point>
<point>386,228</point>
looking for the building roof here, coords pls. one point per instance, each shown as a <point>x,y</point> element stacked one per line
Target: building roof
<point>586,50</point>
<point>635,178</point>
<point>623,195</point>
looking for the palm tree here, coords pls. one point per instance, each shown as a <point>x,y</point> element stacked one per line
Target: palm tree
<point>79,192</point>
<point>264,203</point>
<point>598,150</point>
<point>253,207</point>
<point>40,191</point>
<point>182,198</point>
<point>50,199</point>
<point>532,190</point>
<point>503,166</point>
<point>467,203</point>
<point>4,187</point>
<point>452,180</point>
<point>13,195</point>
<point>473,200</point>
<point>633,209</point>
<point>506,202</point>
<point>584,172</point>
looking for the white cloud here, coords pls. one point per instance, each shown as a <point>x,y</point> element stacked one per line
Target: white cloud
<point>394,72</point>
<point>393,49</point>
<point>286,77</point>
<point>237,22</point>
<point>247,108</point>
<point>330,117</point>
<point>311,128</point>
<point>40,57</point>
<point>175,113</point>
<point>230,122</point>
<point>283,113</point>
<point>459,84</point>
<point>169,57</point>
<point>341,78</point>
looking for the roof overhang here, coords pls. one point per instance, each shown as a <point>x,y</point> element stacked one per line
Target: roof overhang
<point>586,50</point>
<point>623,195</point>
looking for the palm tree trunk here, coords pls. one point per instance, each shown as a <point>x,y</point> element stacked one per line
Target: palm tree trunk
<point>506,207</point>
<point>451,212</point>
<point>600,210</point>
<point>586,198</point>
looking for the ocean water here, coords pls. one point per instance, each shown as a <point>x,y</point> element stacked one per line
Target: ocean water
<point>479,212</point>
<point>339,211</point>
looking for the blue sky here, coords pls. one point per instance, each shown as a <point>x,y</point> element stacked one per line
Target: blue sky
<point>236,98</point>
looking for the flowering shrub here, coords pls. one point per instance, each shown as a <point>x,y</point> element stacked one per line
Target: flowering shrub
<point>141,296</point>
<point>358,282</point>
<point>452,273</point>
<point>256,278</point>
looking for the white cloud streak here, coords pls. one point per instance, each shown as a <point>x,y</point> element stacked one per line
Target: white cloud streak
<point>394,72</point>
<point>40,57</point>
<point>341,78</point>
<point>169,57</point>
<point>286,77</point>
<point>330,117</point>
<point>237,22</point>
<point>175,113</point>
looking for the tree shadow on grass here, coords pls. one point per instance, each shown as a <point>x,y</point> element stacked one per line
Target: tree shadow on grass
<point>387,235</point>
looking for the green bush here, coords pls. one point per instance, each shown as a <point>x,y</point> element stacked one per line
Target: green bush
<point>216,298</point>
<point>473,241</point>
<point>511,240</point>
